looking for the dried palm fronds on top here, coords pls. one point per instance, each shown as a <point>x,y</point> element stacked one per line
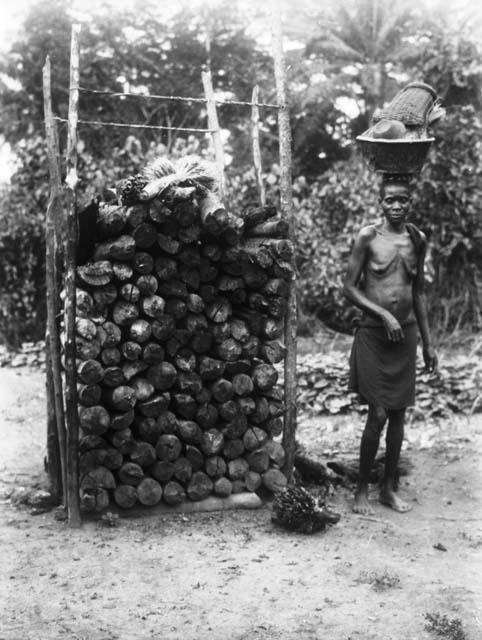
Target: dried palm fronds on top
<point>158,168</point>
<point>162,175</point>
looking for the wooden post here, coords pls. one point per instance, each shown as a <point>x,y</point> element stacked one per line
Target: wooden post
<point>71,410</point>
<point>53,460</point>
<point>56,435</point>
<point>213,124</point>
<point>256,147</point>
<point>289,430</point>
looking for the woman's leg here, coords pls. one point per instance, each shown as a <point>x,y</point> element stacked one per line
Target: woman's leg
<point>376,419</point>
<point>394,439</point>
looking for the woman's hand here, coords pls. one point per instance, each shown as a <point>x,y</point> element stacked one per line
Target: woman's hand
<point>392,327</point>
<point>430,359</point>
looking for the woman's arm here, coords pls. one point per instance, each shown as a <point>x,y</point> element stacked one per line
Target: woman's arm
<point>420,307</point>
<point>356,263</point>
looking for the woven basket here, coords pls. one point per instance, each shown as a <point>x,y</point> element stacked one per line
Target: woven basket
<point>395,156</point>
<point>411,105</point>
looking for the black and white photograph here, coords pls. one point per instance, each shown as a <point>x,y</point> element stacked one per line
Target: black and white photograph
<point>240,320</point>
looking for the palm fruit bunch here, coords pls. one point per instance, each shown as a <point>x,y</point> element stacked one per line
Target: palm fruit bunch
<point>159,176</point>
<point>295,509</point>
<point>129,189</point>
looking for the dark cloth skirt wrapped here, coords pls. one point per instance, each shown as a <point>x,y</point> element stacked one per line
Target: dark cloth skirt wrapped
<point>382,372</point>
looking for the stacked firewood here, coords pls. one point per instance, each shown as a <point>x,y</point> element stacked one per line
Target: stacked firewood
<point>179,323</point>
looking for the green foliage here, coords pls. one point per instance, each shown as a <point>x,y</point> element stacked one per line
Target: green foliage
<point>367,34</point>
<point>444,627</point>
<point>22,247</point>
<point>379,580</point>
<point>445,206</point>
<point>362,51</point>
<point>134,51</point>
<point>380,43</point>
<point>124,50</point>
<point>329,213</point>
<point>444,53</point>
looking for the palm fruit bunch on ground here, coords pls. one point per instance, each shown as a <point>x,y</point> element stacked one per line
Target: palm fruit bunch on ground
<point>295,509</point>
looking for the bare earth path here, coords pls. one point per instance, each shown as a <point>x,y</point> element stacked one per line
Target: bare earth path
<point>233,576</point>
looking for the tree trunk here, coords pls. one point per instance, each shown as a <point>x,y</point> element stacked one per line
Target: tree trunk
<point>131,473</point>
<point>111,220</point>
<point>222,390</point>
<point>200,486</point>
<point>125,496</point>
<point>144,454</point>
<point>145,235</point>
<point>168,448</point>
<point>122,248</point>
<point>215,467</point>
<point>122,271</point>
<point>111,356</point>
<point>242,384</point>
<point>147,284</point>
<point>275,228</point>
<point>143,263</point>
<point>89,394</point>
<point>121,398</point>
<point>94,420</point>
<point>233,448</point>
<point>90,371</point>
<point>162,376</point>
<point>182,470</point>
<point>113,377</point>
<point>174,493</point>
<point>124,313</point>
<point>253,216</point>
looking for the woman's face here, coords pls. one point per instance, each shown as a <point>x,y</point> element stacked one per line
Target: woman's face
<point>395,202</point>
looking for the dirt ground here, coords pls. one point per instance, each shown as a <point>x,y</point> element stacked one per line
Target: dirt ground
<point>233,575</point>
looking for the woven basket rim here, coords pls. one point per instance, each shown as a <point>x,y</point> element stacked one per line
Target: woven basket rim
<point>394,140</point>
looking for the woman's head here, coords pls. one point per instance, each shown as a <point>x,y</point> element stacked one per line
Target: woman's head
<point>401,179</point>
<point>395,197</point>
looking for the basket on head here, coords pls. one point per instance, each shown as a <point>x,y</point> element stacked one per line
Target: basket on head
<point>397,140</point>
<point>394,156</point>
<point>412,105</point>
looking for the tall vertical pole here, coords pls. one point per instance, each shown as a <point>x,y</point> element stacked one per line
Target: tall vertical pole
<point>289,429</point>
<point>71,410</point>
<point>213,124</point>
<point>256,146</point>
<point>56,436</point>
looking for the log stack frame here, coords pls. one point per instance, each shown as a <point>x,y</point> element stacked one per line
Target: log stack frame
<point>63,417</point>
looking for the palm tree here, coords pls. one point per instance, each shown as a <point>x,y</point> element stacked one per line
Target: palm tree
<point>361,43</point>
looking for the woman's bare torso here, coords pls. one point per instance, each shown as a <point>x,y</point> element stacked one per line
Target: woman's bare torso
<point>388,273</point>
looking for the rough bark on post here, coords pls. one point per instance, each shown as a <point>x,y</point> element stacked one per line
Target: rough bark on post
<point>54,461</point>
<point>256,147</point>
<point>56,435</point>
<point>71,412</point>
<point>213,124</point>
<point>287,211</point>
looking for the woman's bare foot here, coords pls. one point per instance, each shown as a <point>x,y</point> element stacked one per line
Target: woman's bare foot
<point>389,498</point>
<point>362,504</point>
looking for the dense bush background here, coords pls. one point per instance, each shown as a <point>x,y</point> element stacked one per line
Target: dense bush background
<point>342,63</point>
